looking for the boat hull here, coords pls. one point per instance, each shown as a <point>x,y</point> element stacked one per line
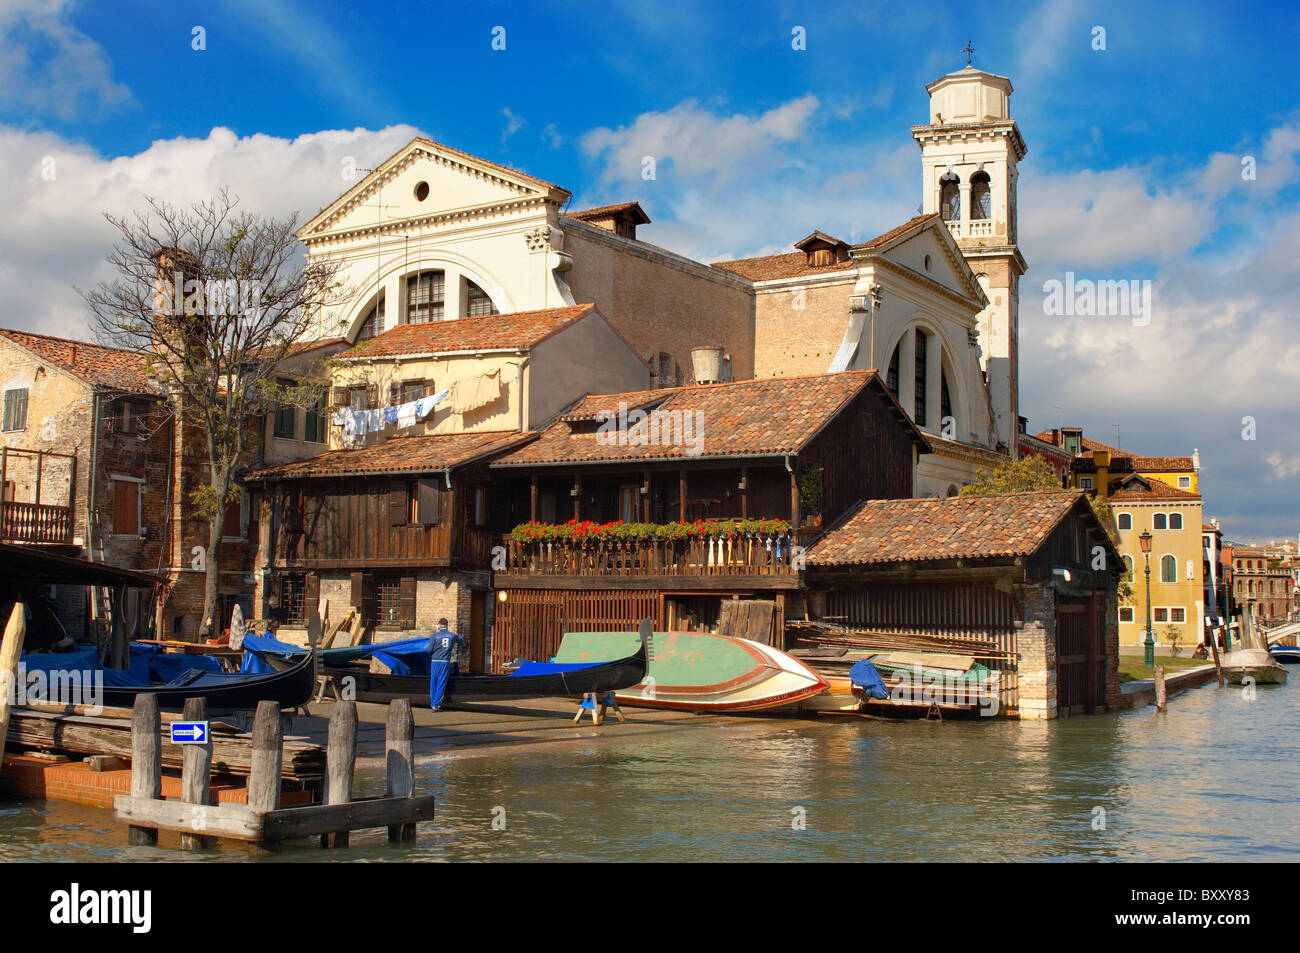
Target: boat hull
<point>608,677</point>
<point>290,688</point>
<point>701,671</point>
<point>1256,664</point>
<point>1286,654</point>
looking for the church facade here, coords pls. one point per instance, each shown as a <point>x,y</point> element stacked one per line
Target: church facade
<point>435,234</point>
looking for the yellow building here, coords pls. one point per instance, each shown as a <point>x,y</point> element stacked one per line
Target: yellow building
<point>1173,517</point>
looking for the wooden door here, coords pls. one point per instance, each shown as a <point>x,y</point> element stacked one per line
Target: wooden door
<point>477,600</point>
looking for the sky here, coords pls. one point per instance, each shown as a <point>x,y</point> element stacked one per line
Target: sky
<point>1164,146</point>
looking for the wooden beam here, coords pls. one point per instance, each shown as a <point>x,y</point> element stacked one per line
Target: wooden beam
<point>196,770</point>
<point>744,493</point>
<point>11,653</point>
<point>146,762</point>
<point>340,759</point>
<point>399,764</point>
<point>233,821</point>
<point>355,815</point>
<point>39,457</point>
<point>681,495</point>
<point>532,498</point>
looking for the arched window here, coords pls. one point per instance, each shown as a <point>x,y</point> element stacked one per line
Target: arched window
<point>1168,568</point>
<point>1175,520</point>
<point>1128,565</point>
<point>1158,521</point>
<point>426,294</point>
<point>891,376</point>
<point>477,302</point>
<point>949,198</point>
<point>945,400</point>
<point>921,367</point>
<point>373,323</point>
<point>981,197</point>
<point>1125,520</point>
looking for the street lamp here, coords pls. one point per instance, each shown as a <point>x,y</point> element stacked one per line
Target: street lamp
<point>1145,541</point>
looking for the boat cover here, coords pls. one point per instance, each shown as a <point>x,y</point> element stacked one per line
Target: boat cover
<point>551,668</point>
<point>147,665</point>
<point>864,675</point>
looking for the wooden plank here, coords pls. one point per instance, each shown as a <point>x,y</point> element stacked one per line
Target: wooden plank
<point>233,821</point>
<point>323,819</point>
<point>11,653</point>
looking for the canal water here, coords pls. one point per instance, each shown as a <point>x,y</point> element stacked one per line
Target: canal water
<point>1216,778</point>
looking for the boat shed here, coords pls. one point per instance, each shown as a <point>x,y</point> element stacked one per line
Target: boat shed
<point>1028,579</point>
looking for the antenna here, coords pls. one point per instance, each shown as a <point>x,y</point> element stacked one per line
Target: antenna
<point>379,207</point>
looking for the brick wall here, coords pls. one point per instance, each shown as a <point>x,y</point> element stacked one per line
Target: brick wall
<point>1036,643</point>
<point>798,330</point>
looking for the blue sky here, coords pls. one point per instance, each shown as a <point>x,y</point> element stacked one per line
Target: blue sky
<point>1133,169</point>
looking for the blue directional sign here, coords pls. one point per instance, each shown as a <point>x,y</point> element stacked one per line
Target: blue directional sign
<point>189,732</point>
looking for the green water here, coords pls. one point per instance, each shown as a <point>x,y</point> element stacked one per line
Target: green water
<point>1215,778</point>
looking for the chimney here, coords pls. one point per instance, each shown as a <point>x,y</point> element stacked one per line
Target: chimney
<point>1196,460</point>
<point>710,364</point>
<point>73,359</point>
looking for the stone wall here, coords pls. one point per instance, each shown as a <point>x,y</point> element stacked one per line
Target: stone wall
<point>1036,642</point>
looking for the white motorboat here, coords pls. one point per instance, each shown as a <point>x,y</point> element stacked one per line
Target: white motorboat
<point>1256,664</point>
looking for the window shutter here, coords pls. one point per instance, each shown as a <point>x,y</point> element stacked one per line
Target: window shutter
<point>428,507</point>
<point>126,508</point>
<point>372,396</point>
<point>406,602</point>
<point>230,525</point>
<point>310,595</point>
<point>355,596</point>
<point>399,502</point>
<point>394,394</point>
<point>342,397</point>
<point>369,600</point>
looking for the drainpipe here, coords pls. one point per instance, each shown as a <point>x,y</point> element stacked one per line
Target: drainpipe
<point>94,469</point>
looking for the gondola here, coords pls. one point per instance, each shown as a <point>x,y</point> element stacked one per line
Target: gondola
<point>290,688</point>
<point>530,680</point>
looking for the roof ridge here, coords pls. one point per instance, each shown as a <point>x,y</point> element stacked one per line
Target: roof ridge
<point>76,341</point>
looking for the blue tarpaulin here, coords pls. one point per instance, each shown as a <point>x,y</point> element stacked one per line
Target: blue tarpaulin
<point>147,665</point>
<point>550,668</point>
<point>864,675</point>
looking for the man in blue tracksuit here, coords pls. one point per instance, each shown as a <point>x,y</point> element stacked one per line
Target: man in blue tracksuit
<point>442,658</point>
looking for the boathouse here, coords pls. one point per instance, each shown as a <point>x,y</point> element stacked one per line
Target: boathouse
<point>1029,580</point>
<point>689,505</point>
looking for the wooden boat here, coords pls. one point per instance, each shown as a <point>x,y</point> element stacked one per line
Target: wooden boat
<point>223,690</point>
<point>701,671</point>
<point>1252,663</point>
<point>530,680</point>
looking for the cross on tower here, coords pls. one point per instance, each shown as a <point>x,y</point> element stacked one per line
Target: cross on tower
<point>968,51</point>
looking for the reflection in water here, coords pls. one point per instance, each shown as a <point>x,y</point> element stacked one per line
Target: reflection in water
<point>1214,778</point>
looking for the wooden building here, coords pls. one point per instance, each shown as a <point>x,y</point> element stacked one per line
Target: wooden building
<point>782,457</point>
<point>1035,574</point>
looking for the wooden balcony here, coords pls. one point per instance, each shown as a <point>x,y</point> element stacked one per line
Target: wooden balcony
<point>33,523</point>
<point>732,559</point>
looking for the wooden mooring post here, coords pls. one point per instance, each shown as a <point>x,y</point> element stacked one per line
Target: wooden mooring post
<point>1162,698</point>
<point>11,653</point>
<point>262,821</point>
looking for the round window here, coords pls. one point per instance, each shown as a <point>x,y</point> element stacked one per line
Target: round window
<point>422,191</point>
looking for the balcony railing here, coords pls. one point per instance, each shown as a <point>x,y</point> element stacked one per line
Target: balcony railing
<point>748,555</point>
<point>35,523</point>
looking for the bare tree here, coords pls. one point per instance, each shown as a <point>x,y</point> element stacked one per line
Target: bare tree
<point>217,298</point>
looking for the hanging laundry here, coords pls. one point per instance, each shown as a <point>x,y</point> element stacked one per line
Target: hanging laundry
<point>390,416</point>
<point>406,416</point>
<point>475,392</point>
<point>424,406</point>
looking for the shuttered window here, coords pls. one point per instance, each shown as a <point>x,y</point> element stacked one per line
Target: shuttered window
<point>286,415</point>
<point>126,508</point>
<point>231,526</point>
<point>16,409</point>
<point>399,502</point>
<point>314,424</point>
<point>428,503</point>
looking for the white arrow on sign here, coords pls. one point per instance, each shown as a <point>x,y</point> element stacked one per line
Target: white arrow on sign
<point>193,731</point>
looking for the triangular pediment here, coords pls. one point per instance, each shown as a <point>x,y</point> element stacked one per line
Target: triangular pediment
<point>947,265</point>
<point>426,180</point>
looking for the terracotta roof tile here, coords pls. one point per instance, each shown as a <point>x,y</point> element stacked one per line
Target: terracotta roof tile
<point>521,329</point>
<point>109,367</point>
<point>759,417</point>
<point>424,453</point>
<point>957,527</point>
<point>609,211</point>
<point>1135,490</point>
<point>795,264</point>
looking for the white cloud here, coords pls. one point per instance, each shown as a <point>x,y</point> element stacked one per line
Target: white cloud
<point>67,76</point>
<point>513,124</point>
<point>55,236</point>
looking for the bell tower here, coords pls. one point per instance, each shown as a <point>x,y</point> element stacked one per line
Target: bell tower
<point>969,154</point>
